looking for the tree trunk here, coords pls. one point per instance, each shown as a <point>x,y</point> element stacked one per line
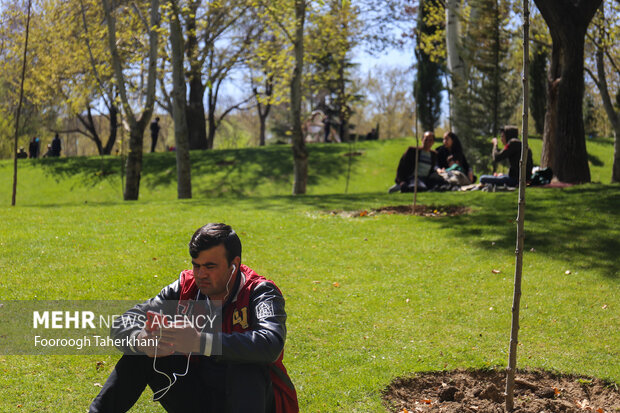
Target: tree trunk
<point>113,130</point>
<point>136,127</point>
<point>262,116</point>
<point>133,166</point>
<point>179,113</point>
<point>567,22</point>
<point>456,66</point>
<point>263,111</point>
<point>496,68</point>
<point>300,152</point>
<point>196,122</point>
<point>612,115</point>
<point>546,157</point>
<point>211,121</point>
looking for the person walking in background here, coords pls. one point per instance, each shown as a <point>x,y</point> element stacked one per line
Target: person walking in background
<point>34,147</point>
<point>56,146</point>
<point>154,133</point>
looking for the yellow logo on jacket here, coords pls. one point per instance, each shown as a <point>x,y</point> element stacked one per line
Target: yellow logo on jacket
<point>241,319</point>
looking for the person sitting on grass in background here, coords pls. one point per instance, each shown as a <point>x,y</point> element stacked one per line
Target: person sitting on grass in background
<point>452,147</point>
<point>238,369</point>
<point>426,164</point>
<point>512,152</point>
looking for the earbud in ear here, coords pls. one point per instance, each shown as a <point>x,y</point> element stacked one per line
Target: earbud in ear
<point>234,269</point>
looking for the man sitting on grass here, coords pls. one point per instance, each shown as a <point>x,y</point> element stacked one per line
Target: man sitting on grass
<point>512,152</point>
<point>426,164</point>
<point>236,370</point>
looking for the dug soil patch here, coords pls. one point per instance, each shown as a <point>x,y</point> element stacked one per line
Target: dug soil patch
<point>482,391</point>
<point>421,210</point>
<point>424,210</point>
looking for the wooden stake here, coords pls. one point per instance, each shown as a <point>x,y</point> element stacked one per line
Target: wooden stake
<point>514,333</point>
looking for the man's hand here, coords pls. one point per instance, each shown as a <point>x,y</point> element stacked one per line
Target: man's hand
<point>183,337</point>
<point>494,141</point>
<point>163,349</point>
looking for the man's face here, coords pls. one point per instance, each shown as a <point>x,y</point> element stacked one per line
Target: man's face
<point>428,140</point>
<point>212,272</point>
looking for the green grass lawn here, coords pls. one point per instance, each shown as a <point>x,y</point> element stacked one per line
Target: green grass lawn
<point>411,293</point>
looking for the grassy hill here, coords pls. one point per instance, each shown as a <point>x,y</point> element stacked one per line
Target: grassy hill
<point>368,297</point>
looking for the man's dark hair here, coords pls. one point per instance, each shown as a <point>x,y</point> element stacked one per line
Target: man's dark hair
<point>211,235</point>
<point>511,132</point>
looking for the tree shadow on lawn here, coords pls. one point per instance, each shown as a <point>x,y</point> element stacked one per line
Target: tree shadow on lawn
<point>233,171</point>
<point>92,169</point>
<point>578,225</point>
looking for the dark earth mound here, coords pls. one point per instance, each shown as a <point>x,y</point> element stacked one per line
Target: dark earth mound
<point>482,391</point>
<point>424,210</point>
<point>420,210</point>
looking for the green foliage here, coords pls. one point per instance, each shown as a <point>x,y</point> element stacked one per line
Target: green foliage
<point>333,32</point>
<point>427,85</point>
<point>493,82</point>
<point>412,293</point>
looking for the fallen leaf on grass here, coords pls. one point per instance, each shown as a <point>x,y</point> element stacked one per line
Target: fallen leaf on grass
<point>336,284</point>
<point>407,301</point>
<point>495,271</point>
<point>604,307</point>
<point>363,213</point>
<point>97,385</point>
<point>154,258</point>
<point>315,282</point>
<point>100,364</point>
<point>567,272</point>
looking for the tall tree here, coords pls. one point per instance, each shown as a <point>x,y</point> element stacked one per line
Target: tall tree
<point>334,29</point>
<point>179,104</point>
<point>300,152</point>
<point>603,40</point>
<point>137,125</point>
<point>492,91</point>
<point>290,16</point>
<point>427,85</point>
<point>213,46</point>
<point>270,70</point>
<point>456,64</point>
<point>564,146</point>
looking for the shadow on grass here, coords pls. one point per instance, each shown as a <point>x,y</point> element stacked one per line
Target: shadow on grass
<point>222,172</point>
<point>92,170</point>
<point>579,225</point>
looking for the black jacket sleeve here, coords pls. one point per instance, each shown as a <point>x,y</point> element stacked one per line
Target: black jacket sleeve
<point>264,342</point>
